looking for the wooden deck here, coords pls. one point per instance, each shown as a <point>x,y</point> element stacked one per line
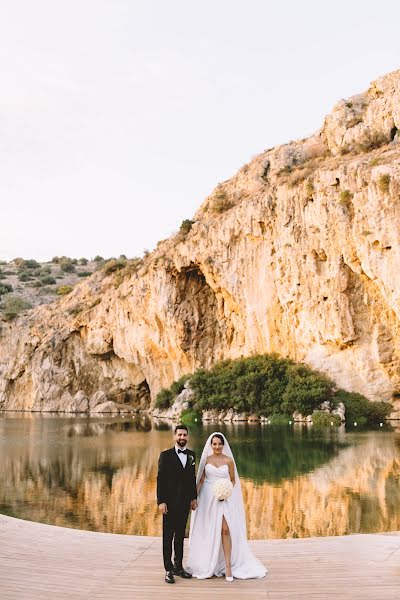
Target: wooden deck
<point>42,562</point>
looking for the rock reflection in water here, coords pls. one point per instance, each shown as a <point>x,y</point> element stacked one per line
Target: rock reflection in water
<point>88,429</point>
<point>100,474</point>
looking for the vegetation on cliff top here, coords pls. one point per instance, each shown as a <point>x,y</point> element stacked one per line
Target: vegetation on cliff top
<point>32,283</point>
<point>268,385</point>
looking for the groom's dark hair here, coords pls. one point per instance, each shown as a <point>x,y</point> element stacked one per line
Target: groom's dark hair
<point>180,426</point>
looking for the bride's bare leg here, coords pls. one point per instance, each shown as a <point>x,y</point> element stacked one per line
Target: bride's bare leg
<point>227,547</point>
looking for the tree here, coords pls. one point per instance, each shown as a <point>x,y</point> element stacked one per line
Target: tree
<point>306,390</point>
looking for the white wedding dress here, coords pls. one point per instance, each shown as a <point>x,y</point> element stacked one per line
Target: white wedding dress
<point>206,556</point>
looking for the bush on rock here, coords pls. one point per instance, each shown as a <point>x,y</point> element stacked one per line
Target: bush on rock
<point>274,387</point>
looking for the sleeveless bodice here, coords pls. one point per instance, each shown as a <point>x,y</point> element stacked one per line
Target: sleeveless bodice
<point>213,473</point>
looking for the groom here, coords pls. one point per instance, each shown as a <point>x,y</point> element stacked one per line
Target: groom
<point>176,494</point>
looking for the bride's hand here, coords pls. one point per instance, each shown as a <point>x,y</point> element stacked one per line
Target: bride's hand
<point>193,504</point>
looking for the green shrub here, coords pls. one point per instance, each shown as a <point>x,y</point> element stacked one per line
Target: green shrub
<point>8,272</point>
<point>259,384</point>
<point>359,408</point>
<point>190,416</point>
<point>31,264</point>
<point>268,385</point>
<point>83,261</point>
<point>67,266</point>
<point>186,226</point>
<point>48,280</point>
<point>62,290</point>
<point>98,258</point>
<point>36,284</point>
<point>384,183</point>
<point>324,419</point>
<point>2,276</point>
<point>5,288</point>
<point>13,305</point>
<point>280,419</point>
<point>378,412</point>
<point>113,265</point>
<point>22,264</point>
<point>306,390</point>
<point>24,276</point>
<point>84,273</point>
<point>164,398</point>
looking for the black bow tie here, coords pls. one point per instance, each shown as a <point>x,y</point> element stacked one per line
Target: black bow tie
<point>182,451</point>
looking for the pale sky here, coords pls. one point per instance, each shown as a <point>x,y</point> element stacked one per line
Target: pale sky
<point>118,117</point>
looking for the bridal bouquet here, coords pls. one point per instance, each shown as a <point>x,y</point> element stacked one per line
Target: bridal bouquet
<point>222,489</point>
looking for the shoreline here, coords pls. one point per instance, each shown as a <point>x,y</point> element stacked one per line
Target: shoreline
<point>136,412</point>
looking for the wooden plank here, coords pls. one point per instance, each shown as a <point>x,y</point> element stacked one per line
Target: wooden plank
<point>42,562</point>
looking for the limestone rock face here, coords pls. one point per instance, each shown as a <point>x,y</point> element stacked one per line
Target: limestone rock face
<point>298,253</point>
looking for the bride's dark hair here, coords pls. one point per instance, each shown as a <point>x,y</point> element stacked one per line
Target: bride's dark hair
<point>219,436</point>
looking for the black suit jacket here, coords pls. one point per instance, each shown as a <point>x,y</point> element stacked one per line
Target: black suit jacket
<point>176,485</point>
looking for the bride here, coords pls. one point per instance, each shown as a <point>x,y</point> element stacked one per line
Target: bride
<point>218,540</point>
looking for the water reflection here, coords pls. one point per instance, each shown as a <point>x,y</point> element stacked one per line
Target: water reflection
<point>100,474</point>
<point>88,429</point>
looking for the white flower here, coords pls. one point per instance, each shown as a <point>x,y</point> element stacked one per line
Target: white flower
<point>222,488</point>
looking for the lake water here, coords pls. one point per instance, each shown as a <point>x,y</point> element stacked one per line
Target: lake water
<point>100,474</point>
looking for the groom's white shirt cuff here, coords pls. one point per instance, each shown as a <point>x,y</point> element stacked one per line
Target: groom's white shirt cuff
<point>182,457</point>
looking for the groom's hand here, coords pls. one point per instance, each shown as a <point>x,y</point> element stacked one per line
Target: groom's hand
<point>193,504</point>
<point>163,508</point>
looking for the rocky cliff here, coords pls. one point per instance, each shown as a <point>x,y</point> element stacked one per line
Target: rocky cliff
<point>298,253</point>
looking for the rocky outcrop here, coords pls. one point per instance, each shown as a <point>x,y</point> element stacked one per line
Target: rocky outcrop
<point>182,402</point>
<point>298,253</point>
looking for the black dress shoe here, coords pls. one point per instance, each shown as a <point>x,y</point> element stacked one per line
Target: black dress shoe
<point>169,577</point>
<point>182,573</point>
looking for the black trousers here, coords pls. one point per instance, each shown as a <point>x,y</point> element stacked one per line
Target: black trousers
<point>174,525</point>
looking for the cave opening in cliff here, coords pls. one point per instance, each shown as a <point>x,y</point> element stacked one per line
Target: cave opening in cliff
<point>197,314</point>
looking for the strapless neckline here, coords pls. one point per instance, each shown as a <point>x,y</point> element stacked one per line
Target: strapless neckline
<point>211,465</point>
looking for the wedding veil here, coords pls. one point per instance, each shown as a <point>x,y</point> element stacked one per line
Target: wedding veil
<point>237,496</point>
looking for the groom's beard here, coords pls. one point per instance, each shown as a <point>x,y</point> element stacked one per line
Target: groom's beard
<point>181,443</point>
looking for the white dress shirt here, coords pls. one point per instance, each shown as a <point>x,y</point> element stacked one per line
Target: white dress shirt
<point>182,457</point>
